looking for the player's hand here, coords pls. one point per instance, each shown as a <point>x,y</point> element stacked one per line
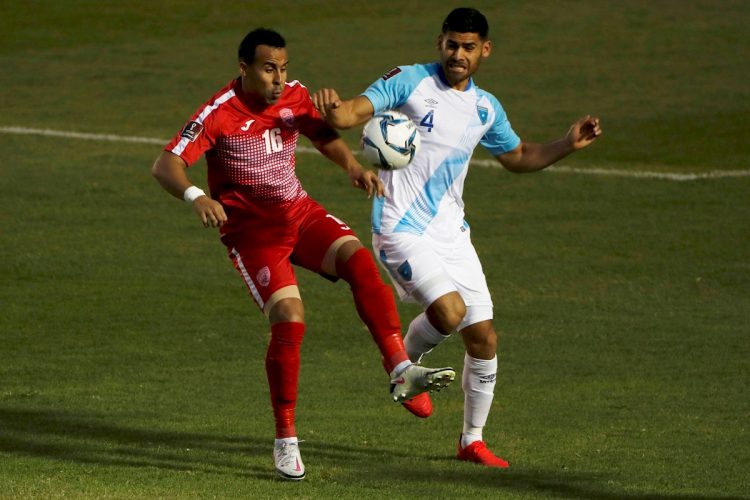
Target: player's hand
<point>584,132</point>
<point>367,180</point>
<point>209,211</point>
<point>325,101</point>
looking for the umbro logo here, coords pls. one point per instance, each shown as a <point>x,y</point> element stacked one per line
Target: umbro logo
<point>431,103</point>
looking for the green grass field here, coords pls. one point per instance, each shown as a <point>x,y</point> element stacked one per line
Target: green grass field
<point>131,357</point>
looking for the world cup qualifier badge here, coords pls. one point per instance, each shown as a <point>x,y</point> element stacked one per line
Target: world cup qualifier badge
<point>395,71</point>
<point>191,131</point>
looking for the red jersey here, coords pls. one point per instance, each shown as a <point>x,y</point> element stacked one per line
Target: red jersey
<point>250,151</point>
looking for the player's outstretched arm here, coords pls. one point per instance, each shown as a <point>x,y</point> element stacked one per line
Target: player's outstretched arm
<point>169,170</point>
<point>530,157</point>
<point>339,153</point>
<point>342,114</point>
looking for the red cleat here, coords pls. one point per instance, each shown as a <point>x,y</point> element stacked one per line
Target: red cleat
<point>420,405</point>
<point>479,453</point>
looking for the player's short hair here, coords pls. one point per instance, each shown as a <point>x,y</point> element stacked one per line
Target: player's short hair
<point>260,36</point>
<point>466,20</point>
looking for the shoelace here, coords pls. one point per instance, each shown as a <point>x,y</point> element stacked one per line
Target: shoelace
<point>287,453</point>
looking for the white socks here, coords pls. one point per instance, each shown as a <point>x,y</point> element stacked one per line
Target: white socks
<point>478,380</point>
<point>421,338</point>
<point>478,383</point>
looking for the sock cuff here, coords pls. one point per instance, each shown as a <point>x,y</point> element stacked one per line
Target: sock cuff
<point>422,323</point>
<point>481,365</point>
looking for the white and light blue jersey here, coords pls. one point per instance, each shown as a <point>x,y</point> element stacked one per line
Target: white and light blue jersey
<point>426,197</point>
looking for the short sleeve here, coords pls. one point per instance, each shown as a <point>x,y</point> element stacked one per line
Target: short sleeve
<point>393,89</point>
<point>195,138</point>
<point>500,138</point>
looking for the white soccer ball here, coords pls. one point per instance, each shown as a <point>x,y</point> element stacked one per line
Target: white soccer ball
<point>390,140</point>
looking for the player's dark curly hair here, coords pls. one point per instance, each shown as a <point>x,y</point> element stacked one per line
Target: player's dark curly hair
<point>466,20</point>
<point>260,36</point>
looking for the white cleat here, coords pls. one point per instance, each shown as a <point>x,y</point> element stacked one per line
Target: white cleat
<point>417,379</point>
<point>288,461</point>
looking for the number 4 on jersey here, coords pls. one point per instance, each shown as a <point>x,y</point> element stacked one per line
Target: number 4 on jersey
<point>427,121</point>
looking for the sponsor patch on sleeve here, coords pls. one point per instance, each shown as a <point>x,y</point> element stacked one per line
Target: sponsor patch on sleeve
<point>392,73</point>
<point>191,131</point>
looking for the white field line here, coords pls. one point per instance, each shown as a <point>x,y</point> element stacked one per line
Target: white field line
<point>680,177</point>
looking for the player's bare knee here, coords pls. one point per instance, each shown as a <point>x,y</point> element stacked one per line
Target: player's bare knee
<point>447,312</point>
<point>480,340</point>
<point>287,310</point>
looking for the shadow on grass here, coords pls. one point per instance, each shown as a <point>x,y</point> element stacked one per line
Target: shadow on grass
<point>531,483</point>
<point>88,439</point>
<point>545,484</point>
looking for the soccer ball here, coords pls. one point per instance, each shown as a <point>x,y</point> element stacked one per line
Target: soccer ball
<point>390,140</point>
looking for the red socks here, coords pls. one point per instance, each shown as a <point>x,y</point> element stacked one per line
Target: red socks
<point>376,306</point>
<point>282,370</point>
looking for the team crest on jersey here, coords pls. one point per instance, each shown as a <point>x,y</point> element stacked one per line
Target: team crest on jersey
<point>482,112</point>
<point>191,131</point>
<point>263,276</point>
<point>392,73</point>
<point>287,116</point>
<point>405,270</point>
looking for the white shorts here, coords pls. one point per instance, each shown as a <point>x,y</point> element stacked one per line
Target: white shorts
<point>423,270</point>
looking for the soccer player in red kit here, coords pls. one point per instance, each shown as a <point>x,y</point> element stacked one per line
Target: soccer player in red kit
<point>248,132</point>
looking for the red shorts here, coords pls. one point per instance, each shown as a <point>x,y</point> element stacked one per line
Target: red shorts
<point>267,242</point>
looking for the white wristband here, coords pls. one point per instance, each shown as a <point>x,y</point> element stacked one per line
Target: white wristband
<point>192,193</point>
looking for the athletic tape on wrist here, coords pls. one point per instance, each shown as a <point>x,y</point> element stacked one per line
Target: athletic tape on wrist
<point>192,193</point>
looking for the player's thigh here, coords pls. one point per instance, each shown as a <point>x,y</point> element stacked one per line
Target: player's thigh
<point>320,238</point>
<point>414,267</point>
<point>265,268</point>
<point>465,269</point>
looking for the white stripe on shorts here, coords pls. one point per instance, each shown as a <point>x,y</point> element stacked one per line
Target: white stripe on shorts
<point>248,279</point>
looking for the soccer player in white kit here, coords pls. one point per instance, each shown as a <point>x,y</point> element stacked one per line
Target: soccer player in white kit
<point>419,231</point>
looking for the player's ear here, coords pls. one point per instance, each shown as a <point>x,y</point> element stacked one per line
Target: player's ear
<point>486,48</point>
<point>243,68</point>
<point>439,43</point>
